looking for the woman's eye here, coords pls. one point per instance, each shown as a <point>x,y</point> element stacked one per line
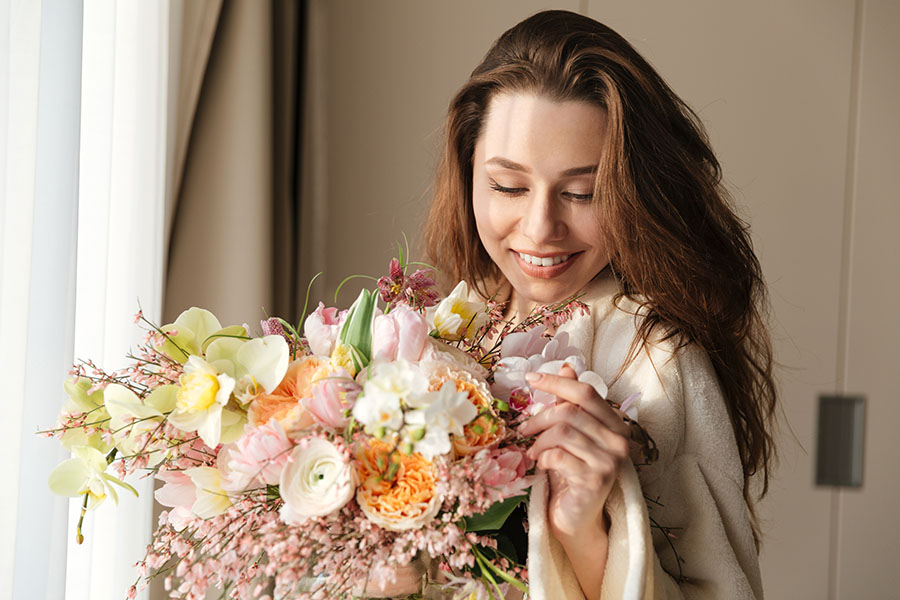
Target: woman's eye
<point>579,197</point>
<point>507,190</point>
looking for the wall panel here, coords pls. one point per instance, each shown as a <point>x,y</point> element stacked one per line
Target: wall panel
<point>869,526</point>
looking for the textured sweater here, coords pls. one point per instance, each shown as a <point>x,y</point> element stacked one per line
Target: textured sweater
<point>696,486</point>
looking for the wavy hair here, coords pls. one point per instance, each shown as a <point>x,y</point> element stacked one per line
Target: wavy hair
<point>675,243</point>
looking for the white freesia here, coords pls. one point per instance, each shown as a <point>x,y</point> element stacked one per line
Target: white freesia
<point>447,411</point>
<point>317,481</point>
<point>455,317</point>
<point>389,387</point>
<point>200,400</point>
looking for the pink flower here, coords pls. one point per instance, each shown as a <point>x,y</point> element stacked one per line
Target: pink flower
<point>322,328</point>
<point>400,334</point>
<point>179,493</point>
<point>258,457</point>
<point>331,398</point>
<point>509,377</point>
<point>504,470</point>
<point>524,343</point>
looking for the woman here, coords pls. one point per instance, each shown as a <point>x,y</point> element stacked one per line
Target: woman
<point>571,166</point>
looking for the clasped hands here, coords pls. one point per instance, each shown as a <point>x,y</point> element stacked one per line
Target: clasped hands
<point>582,443</point>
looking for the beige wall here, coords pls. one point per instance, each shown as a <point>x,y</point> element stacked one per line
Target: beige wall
<point>807,130</point>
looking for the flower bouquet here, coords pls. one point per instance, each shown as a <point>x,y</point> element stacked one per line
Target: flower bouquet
<point>313,459</point>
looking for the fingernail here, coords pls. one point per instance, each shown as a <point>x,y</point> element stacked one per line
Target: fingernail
<point>532,377</point>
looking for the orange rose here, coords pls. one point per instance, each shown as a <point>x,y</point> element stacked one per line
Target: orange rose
<point>283,404</point>
<point>406,500</point>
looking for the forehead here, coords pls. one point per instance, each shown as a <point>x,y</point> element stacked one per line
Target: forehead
<point>542,133</point>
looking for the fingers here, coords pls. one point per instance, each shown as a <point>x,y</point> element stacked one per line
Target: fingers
<point>591,449</point>
<point>565,386</point>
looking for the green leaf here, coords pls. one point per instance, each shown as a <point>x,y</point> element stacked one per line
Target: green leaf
<point>357,331</point>
<point>493,518</point>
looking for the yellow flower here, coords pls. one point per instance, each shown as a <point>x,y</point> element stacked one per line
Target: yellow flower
<point>197,392</point>
<point>342,358</point>
<point>455,317</point>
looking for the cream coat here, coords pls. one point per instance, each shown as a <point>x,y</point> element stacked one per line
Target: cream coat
<point>697,480</point>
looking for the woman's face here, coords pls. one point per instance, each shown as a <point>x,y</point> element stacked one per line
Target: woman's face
<point>533,178</point>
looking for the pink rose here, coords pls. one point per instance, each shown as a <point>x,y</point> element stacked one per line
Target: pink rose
<point>321,329</point>
<point>258,457</point>
<point>504,470</point>
<point>331,398</point>
<point>399,335</point>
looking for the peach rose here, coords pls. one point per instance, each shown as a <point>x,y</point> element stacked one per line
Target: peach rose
<point>405,501</point>
<point>283,404</point>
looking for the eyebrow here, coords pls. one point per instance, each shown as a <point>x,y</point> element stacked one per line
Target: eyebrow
<point>514,166</point>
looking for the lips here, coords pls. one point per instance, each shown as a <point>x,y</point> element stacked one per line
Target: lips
<point>549,267</point>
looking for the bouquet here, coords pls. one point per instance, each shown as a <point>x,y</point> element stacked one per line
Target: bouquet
<point>308,460</point>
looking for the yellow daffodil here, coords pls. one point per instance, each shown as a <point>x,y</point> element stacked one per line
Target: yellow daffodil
<point>200,399</point>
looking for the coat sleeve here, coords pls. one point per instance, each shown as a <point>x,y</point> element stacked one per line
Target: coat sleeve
<point>697,516</point>
<point>694,491</point>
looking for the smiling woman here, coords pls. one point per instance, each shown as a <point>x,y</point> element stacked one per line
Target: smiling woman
<point>533,184</point>
<point>570,167</point>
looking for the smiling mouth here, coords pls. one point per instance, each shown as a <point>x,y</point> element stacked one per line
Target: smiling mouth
<point>546,261</point>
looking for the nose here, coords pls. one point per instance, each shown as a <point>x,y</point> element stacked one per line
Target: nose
<point>543,221</point>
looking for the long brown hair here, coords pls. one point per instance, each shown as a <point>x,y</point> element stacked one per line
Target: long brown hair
<point>675,243</point>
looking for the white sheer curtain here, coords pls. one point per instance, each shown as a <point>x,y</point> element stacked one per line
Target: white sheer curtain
<point>82,244</point>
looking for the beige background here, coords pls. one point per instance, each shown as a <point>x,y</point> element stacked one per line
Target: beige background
<point>800,99</point>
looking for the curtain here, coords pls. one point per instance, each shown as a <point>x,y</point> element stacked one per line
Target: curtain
<point>234,245</point>
<point>39,103</point>
<point>84,116</point>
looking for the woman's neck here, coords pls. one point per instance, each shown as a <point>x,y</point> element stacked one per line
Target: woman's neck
<point>518,308</point>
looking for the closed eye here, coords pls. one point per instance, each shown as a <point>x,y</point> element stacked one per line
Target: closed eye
<point>507,190</point>
<point>579,197</point>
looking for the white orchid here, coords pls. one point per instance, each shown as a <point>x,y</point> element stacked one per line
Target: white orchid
<point>130,419</point>
<point>85,473</point>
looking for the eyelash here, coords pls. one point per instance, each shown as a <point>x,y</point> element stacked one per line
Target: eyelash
<point>514,192</point>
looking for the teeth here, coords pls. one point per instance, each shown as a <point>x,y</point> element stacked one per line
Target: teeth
<point>546,261</point>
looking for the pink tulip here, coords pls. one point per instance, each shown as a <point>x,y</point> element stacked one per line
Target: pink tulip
<point>321,329</point>
<point>399,335</point>
<point>331,398</point>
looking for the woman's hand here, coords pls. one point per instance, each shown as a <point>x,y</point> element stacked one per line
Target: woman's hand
<point>582,443</point>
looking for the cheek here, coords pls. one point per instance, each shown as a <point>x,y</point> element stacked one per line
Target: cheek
<point>486,220</point>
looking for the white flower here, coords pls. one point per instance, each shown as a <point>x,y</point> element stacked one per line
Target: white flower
<point>317,481</point>
<point>455,317</point>
<point>446,412</point>
<point>378,412</point>
<point>389,387</point>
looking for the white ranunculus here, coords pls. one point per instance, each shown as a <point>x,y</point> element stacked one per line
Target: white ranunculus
<point>317,481</point>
